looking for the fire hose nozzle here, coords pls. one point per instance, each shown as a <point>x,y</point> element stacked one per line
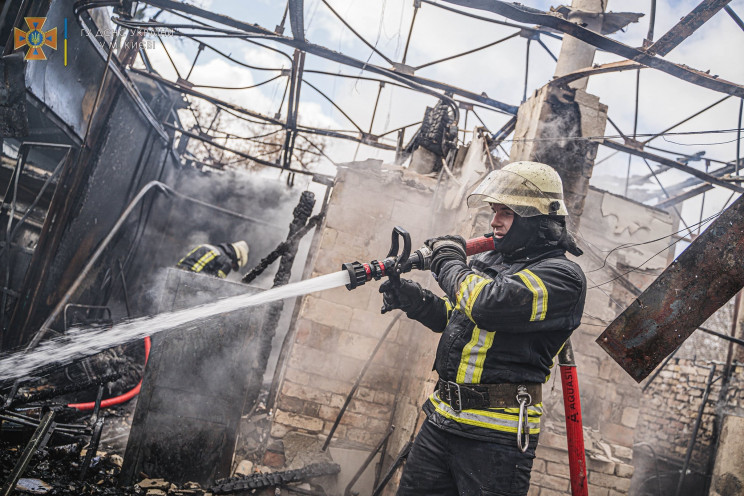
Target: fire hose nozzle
<point>358,274</point>
<point>396,264</point>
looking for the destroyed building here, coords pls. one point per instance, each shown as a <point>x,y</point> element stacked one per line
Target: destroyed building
<point>123,149</point>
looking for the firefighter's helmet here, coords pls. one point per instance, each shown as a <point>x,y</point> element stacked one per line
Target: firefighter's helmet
<point>241,252</point>
<point>528,188</point>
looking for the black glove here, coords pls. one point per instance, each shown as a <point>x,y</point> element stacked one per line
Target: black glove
<point>444,249</point>
<point>408,296</point>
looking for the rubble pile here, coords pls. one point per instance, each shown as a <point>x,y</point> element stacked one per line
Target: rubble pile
<point>56,471</point>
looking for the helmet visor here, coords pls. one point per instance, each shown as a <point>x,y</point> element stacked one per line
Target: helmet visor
<point>512,190</point>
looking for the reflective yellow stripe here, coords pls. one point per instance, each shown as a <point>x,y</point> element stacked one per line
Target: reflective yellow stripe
<point>498,419</point>
<point>539,294</point>
<point>449,307</point>
<point>481,357</point>
<point>469,290</point>
<point>473,356</point>
<point>188,255</point>
<point>204,260</point>
<point>221,274</point>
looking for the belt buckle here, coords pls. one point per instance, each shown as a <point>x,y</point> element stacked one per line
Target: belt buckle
<point>455,402</point>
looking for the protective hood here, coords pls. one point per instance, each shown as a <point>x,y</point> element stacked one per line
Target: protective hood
<point>531,236</point>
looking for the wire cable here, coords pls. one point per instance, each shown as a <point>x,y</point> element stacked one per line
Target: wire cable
<point>372,47</point>
<point>237,87</point>
<point>632,245</point>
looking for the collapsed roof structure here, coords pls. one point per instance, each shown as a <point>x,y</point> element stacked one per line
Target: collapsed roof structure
<point>115,164</point>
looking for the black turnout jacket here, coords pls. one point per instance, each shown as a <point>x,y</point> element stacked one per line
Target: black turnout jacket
<point>501,321</point>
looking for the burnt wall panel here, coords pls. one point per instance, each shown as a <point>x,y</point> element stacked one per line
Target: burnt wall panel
<point>129,156</point>
<point>195,385</point>
<point>68,91</point>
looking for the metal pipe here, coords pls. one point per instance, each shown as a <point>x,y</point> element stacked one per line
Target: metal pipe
<point>33,444</point>
<point>124,289</point>
<point>738,139</point>
<point>686,119</point>
<point>735,17</point>
<point>38,197</point>
<point>663,189</point>
<point>526,70</point>
<point>347,491</point>
<point>22,154</point>
<point>335,105</point>
<point>397,463</point>
<point>696,427</point>
<point>416,6</point>
<point>740,342</point>
<point>468,52</point>
<point>96,437</point>
<point>91,262</point>
<point>652,22</point>
<point>358,381</point>
<point>370,45</point>
<point>542,44</point>
<point>69,429</point>
<point>196,57</point>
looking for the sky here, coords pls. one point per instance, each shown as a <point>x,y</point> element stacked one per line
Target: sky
<point>498,71</point>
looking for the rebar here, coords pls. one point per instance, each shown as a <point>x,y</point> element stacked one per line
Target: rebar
<point>34,443</point>
<point>358,381</point>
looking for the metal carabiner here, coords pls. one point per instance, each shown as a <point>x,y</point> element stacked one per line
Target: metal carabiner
<point>523,428</point>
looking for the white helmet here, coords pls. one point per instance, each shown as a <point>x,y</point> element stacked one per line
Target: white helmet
<point>528,188</point>
<point>241,252</point>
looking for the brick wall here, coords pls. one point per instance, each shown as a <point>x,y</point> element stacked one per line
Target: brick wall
<point>610,399</point>
<point>337,329</point>
<point>671,405</point>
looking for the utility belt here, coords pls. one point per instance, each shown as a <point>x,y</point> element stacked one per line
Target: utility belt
<point>504,395</point>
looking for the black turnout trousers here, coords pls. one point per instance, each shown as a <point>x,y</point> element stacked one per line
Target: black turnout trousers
<point>445,464</point>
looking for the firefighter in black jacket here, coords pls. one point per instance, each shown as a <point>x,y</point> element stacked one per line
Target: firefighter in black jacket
<point>216,260</point>
<point>504,318</point>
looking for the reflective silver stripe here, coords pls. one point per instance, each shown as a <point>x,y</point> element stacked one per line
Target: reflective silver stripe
<point>473,356</point>
<point>500,420</point>
<point>204,260</point>
<point>468,293</point>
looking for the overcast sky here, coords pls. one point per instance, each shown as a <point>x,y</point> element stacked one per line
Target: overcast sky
<point>498,71</point>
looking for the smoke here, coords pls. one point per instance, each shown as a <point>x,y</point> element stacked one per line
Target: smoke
<point>177,225</point>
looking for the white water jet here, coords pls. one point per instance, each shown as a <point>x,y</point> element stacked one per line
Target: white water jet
<point>79,343</point>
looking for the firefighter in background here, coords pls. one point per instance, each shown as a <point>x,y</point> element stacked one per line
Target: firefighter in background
<point>504,318</point>
<point>216,260</point>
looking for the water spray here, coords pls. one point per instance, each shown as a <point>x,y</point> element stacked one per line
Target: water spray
<point>79,343</point>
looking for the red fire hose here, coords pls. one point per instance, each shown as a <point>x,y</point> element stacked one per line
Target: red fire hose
<point>116,400</point>
<point>574,429</point>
